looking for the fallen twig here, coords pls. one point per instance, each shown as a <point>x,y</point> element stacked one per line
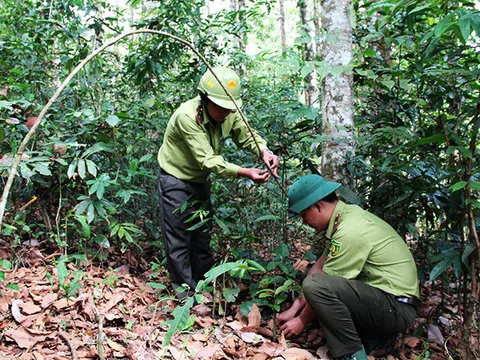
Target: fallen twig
<point>99,320</point>
<point>64,336</point>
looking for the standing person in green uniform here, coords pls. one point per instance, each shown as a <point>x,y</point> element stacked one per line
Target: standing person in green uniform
<point>190,152</point>
<point>364,288</point>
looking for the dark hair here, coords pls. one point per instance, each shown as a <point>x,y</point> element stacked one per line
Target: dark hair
<point>330,197</point>
<point>203,102</point>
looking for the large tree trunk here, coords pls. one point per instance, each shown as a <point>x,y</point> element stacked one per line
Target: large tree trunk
<point>311,93</point>
<point>337,91</point>
<point>283,37</point>
<point>316,23</point>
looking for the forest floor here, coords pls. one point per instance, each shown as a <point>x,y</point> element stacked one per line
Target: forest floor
<point>120,300</point>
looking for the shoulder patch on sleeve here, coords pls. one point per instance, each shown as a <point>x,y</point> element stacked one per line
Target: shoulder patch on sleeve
<point>335,247</point>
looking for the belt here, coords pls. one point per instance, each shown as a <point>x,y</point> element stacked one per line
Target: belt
<point>409,301</point>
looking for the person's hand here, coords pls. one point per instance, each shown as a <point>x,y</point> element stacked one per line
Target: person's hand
<point>287,315</point>
<point>256,175</point>
<point>292,327</point>
<point>271,160</point>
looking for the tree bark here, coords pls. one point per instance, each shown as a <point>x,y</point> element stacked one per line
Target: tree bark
<point>283,37</point>
<point>311,93</point>
<point>337,91</point>
<point>316,24</point>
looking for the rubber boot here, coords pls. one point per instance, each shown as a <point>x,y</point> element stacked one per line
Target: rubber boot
<point>359,355</point>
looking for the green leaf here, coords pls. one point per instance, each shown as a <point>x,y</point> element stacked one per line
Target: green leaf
<point>475,185</point>
<point>145,157</point>
<point>440,267</point>
<point>96,148</point>
<point>464,24</point>
<point>457,186</point>
<point>255,265</point>
<point>222,225</point>
<point>155,285</point>
<point>81,168</point>
<point>282,251</point>
<point>71,168</point>
<point>457,266</point>
<point>267,217</point>
<point>231,294</point>
<point>42,168</point>
<point>180,319</point>
<point>469,248</point>
<point>87,232</point>
<point>13,287</point>
<point>90,213</point>
<point>2,276</point>
<point>113,120</point>
<point>6,264</point>
<point>92,168</point>
<point>62,272</point>
<point>215,272</point>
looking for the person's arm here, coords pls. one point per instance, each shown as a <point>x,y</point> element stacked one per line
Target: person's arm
<point>297,325</point>
<point>300,302</point>
<point>242,136</point>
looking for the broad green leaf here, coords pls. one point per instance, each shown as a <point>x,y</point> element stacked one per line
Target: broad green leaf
<point>100,190</point>
<point>267,217</point>
<point>469,248</point>
<point>222,225</point>
<point>155,285</point>
<point>113,120</point>
<point>180,319</point>
<point>444,25</point>
<point>90,213</point>
<point>85,227</point>
<point>282,250</point>
<point>255,265</point>
<point>464,24</point>
<point>82,206</point>
<point>215,272</point>
<point>92,168</point>
<point>457,266</point>
<point>62,272</point>
<point>475,185</point>
<point>231,294</point>
<point>457,186</point>
<point>81,168</point>
<point>42,168</point>
<point>13,287</point>
<point>97,147</point>
<point>6,264</point>
<point>71,168</point>
<point>440,267</point>
<point>145,157</point>
<point>2,276</point>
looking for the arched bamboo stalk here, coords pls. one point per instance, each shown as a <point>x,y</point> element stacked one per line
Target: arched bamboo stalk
<point>36,124</point>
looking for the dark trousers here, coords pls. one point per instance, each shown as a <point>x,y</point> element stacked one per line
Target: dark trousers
<point>352,313</point>
<point>188,252</point>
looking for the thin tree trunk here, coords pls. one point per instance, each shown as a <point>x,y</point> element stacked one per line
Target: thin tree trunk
<point>311,94</point>
<point>316,23</point>
<point>283,37</point>
<point>337,91</point>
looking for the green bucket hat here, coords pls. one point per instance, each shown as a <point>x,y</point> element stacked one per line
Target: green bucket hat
<point>306,191</point>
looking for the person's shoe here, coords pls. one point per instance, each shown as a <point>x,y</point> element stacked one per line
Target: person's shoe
<point>359,355</point>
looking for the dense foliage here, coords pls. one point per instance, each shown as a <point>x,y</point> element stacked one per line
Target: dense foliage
<point>87,181</point>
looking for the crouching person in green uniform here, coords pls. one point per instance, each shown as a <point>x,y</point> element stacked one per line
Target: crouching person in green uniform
<point>364,287</point>
<point>189,154</point>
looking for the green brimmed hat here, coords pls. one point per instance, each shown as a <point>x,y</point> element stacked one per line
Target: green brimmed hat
<point>306,191</point>
<point>211,87</point>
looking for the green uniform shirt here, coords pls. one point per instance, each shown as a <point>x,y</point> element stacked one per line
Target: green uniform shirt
<point>365,248</point>
<point>191,151</point>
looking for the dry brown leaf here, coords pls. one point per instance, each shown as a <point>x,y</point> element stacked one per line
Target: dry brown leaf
<point>201,310</point>
<point>178,354</point>
<point>282,341</point>
<point>4,304</point>
<point>112,302</point>
<point>235,325</point>
<point>23,338</point>
<point>38,355</point>
<point>205,322</point>
<point>61,304</point>
<point>4,91</point>
<point>323,354</point>
<point>16,313</point>
<point>411,341</point>
<point>200,337</point>
<point>271,349</point>
<point>260,356</point>
<point>251,338</point>
<point>116,346</point>
<point>254,316</point>
<point>30,308</point>
<point>297,354</point>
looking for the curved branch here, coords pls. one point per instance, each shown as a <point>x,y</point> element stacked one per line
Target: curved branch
<point>57,93</point>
